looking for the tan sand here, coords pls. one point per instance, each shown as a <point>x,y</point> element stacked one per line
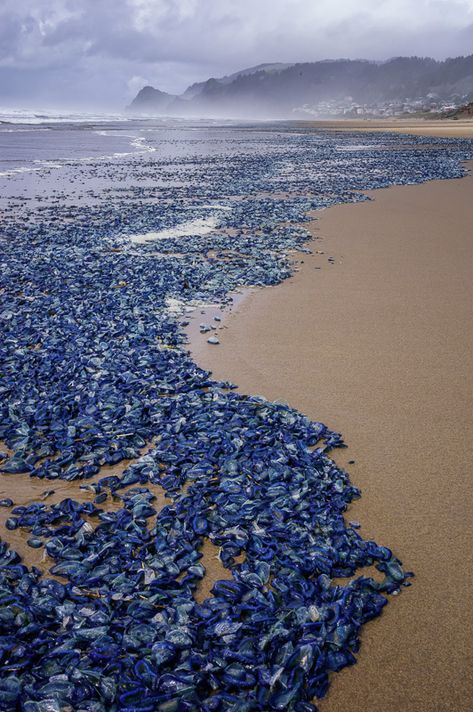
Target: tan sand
<point>380,346</point>
<point>24,490</point>
<point>447,128</point>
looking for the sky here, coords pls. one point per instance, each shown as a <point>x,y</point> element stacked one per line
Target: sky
<point>97,54</point>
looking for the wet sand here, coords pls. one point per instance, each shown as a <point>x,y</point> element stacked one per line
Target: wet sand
<point>379,345</point>
<point>447,128</point>
<point>25,490</point>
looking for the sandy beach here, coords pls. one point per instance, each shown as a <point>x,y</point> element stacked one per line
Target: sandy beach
<point>372,335</point>
<point>443,128</point>
<point>379,346</point>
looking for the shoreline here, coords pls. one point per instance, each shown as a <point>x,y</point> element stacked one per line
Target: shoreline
<point>387,305</point>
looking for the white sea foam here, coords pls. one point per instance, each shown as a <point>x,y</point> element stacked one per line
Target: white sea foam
<point>216,207</point>
<point>359,147</point>
<point>138,142</point>
<point>198,226</point>
<point>37,165</point>
<point>178,306</point>
<point>18,171</point>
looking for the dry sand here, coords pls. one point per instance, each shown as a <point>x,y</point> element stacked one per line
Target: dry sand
<point>379,346</point>
<point>447,128</point>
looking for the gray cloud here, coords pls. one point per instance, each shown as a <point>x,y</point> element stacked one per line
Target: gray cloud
<point>98,52</point>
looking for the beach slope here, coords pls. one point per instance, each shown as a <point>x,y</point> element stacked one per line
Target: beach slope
<point>440,128</point>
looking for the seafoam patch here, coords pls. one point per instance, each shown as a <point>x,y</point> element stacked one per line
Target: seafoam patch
<point>179,306</point>
<point>198,226</point>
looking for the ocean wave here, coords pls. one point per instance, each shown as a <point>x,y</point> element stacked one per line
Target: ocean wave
<point>27,116</point>
<point>21,169</point>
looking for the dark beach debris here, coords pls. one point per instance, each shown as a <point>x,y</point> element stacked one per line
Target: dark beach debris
<point>95,367</point>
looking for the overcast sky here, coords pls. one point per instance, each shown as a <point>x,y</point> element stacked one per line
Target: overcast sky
<point>98,53</point>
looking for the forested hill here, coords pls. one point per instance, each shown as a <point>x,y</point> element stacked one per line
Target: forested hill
<point>285,90</point>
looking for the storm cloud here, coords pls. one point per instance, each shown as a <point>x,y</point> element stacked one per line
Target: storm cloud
<point>98,53</point>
